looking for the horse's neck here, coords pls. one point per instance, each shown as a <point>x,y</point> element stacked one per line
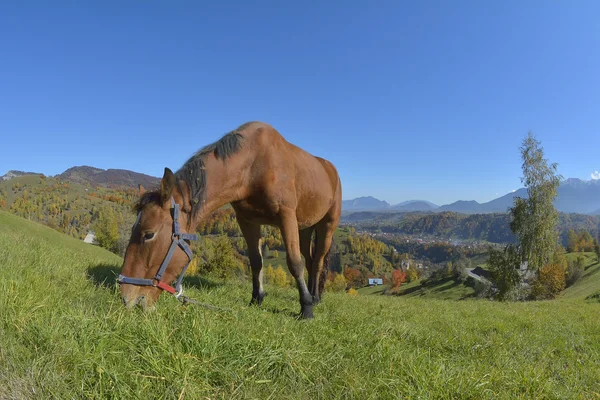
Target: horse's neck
<point>224,184</point>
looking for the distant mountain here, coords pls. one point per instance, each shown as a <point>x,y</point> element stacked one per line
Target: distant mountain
<point>461,206</point>
<point>94,177</point>
<point>573,196</point>
<point>370,203</point>
<point>364,203</point>
<point>499,205</point>
<point>415,205</point>
<point>577,196</point>
<point>14,174</point>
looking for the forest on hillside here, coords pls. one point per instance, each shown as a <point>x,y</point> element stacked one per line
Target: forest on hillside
<point>493,228</point>
<point>72,208</point>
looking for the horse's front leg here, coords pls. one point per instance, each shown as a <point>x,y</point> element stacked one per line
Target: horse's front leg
<point>251,234</point>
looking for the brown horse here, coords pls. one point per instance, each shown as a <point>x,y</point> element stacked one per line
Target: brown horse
<point>267,180</point>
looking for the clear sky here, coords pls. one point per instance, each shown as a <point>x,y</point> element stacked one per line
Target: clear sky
<point>410,100</point>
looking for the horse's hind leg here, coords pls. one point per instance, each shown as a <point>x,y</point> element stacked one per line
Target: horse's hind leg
<point>251,234</point>
<point>306,248</point>
<point>324,238</point>
<point>291,239</point>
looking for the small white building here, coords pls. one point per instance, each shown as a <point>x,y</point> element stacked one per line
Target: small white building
<point>90,238</point>
<point>375,281</point>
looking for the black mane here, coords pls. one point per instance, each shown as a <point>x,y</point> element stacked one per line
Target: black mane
<point>193,172</point>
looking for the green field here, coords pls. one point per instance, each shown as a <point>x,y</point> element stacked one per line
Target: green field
<point>65,334</point>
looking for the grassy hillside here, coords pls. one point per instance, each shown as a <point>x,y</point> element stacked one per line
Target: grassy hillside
<point>589,283</point>
<point>65,334</point>
<point>65,206</point>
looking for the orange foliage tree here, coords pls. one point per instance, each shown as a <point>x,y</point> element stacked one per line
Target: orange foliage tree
<point>352,275</point>
<point>398,277</point>
<point>550,281</point>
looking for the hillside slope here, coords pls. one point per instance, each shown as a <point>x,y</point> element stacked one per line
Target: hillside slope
<point>65,334</point>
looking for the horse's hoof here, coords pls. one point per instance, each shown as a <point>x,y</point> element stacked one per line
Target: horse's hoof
<point>307,312</point>
<point>257,301</point>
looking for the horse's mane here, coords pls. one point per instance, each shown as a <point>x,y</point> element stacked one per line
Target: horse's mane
<point>193,171</point>
<point>150,197</point>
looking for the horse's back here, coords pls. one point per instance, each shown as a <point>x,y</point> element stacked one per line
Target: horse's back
<point>291,173</point>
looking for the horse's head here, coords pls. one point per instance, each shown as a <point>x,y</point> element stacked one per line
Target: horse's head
<point>160,231</point>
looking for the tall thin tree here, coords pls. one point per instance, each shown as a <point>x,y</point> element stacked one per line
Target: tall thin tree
<point>534,219</point>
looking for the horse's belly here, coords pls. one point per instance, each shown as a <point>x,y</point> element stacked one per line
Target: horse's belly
<point>309,212</point>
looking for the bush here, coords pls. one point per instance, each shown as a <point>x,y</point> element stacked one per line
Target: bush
<point>503,266</point>
<point>219,258</point>
<point>280,277</point>
<point>336,284</point>
<point>574,271</point>
<point>412,275</point>
<point>550,282</point>
<point>482,289</point>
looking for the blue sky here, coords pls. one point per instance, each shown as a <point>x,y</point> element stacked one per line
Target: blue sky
<point>410,100</point>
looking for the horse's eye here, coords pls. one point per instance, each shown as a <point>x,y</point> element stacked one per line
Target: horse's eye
<point>148,235</point>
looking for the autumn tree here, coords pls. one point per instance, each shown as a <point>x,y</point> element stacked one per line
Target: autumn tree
<point>335,282</point>
<point>353,276</point>
<point>224,262</point>
<point>412,275</point>
<point>581,241</point>
<point>534,219</point>
<point>106,229</point>
<point>398,278</point>
<point>550,281</point>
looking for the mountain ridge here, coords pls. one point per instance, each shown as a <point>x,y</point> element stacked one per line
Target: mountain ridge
<point>573,196</point>
<point>15,174</point>
<point>111,177</point>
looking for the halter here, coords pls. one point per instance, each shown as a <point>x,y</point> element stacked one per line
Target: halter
<point>177,239</point>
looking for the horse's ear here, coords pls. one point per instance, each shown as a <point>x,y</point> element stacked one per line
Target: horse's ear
<point>167,185</point>
<point>142,190</point>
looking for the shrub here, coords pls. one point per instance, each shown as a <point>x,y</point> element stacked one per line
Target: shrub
<point>550,282</point>
<point>503,266</point>
<point>412,275</point>
<point>574,271</point>
<point>336,284</point>
<point>482,289</point>
<point>459,269</point>
<point>219,258</point>
<point>280,277</point>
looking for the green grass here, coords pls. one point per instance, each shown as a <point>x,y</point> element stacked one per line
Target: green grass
<point>589,283</point>
<point>444,290</point>
<point>64,334</point>
<point>372,290</point>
